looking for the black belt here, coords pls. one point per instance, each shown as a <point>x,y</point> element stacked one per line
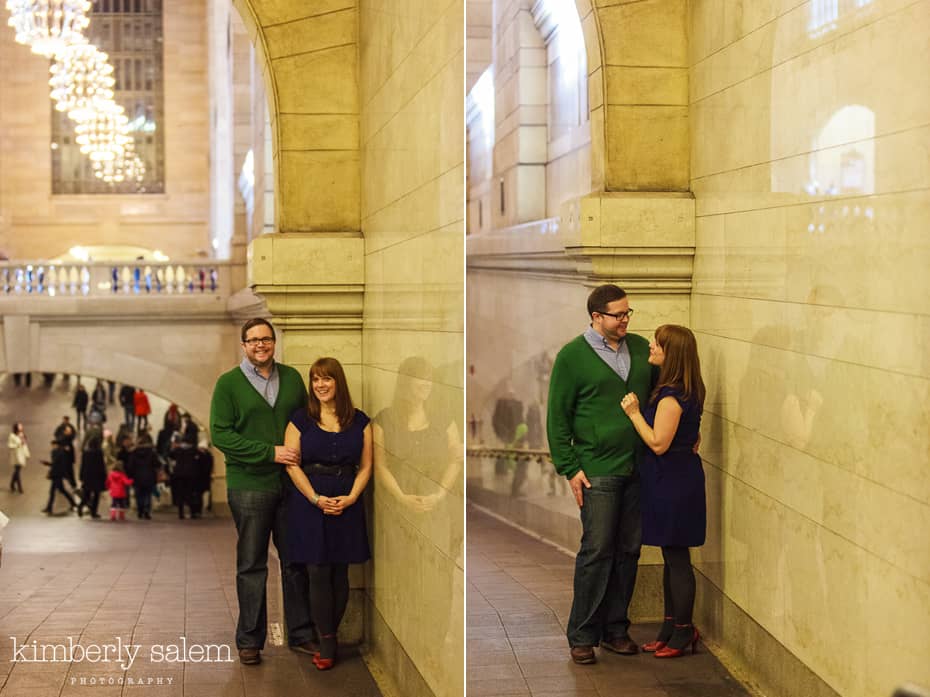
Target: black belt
<point>329,470</point>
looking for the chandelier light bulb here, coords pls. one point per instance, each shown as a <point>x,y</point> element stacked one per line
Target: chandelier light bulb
<point>126,166</point>
<point>48,26</point>
<point>105,135</point>
<point>82,81</point>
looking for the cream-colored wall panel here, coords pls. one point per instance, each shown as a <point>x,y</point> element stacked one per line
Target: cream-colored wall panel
<point>271,12</point>
<point>788,181</point>
<point>318,132</point>
<point>647,85</point>
<point>330,203</point>
<point>653,33</point>
<point>322,82</point>
<point>740,61</point>
<point>303,348</point>
<point>592,42</point>
<point>798,401</point>
<point>647,148</point>
<point>311,34</point>
<point>746,110</point>
<point>817,329</point>
<point>415,590</point>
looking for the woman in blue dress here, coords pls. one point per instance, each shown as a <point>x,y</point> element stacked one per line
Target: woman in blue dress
<point>672,479</point>
<point>325,514</point>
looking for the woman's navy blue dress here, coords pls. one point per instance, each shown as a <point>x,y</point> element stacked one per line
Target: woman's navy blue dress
<point>315,538</point>
<point>672,485</point>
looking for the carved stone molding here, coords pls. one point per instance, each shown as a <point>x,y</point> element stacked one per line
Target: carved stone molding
<point>310,280</point>
<point>641,241</point>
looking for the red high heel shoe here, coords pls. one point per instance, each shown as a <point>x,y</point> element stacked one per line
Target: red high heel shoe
<point>669,652</point>
<point>325,663</point>
<point>653,646</point>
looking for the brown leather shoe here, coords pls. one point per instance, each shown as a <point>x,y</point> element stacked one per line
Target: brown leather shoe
<point>250,657</point>
<point>583,654</point>
<point>311,648</point>
<point>623,645</point>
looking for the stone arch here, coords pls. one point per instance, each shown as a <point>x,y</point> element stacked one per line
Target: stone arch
<point>308,51</point>
<point>179,361</point>
<point>638,94</point>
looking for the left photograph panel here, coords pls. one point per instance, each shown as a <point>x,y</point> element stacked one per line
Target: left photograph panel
<point>232,348</point>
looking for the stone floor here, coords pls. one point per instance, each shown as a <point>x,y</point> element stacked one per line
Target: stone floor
<point>519,596</point>
<point>156,584</point>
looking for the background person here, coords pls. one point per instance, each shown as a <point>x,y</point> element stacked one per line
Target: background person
<point>672,478</point>
<point>19,455</point>
<point>80,402</point>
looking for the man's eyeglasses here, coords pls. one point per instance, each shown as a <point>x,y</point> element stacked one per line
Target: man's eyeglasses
<point>618,315</point>
<point>264,341</point>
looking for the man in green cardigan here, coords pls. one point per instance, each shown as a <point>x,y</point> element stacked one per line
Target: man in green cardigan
<point>251,407</point>
<point>594,445</point>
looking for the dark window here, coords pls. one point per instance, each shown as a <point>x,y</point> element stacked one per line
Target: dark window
<point>130,32</point>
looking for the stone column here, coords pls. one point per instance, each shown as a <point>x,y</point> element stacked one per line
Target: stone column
<point>520,150</point>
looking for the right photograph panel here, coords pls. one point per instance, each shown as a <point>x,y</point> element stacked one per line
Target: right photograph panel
<point>697,382</point>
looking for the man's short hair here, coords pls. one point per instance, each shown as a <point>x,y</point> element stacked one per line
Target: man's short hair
<point>603,295</point>
<point>254,323</point>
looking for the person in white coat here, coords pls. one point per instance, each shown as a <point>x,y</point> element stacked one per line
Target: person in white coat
<point>19,455</point>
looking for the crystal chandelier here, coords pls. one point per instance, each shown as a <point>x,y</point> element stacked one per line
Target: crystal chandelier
<point>81,82</point>
<point>126,166</point>
<point>47,26</point>
<point>105,135</point>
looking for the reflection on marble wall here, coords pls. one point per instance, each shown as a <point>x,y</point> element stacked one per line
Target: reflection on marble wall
<point>810,306</point>
<point>412,62</point>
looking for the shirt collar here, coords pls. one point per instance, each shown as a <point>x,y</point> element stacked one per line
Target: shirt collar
<point>593,336</point>
<point>249,369</point>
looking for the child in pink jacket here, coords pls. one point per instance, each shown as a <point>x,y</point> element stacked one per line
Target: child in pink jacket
<point>117,481</point>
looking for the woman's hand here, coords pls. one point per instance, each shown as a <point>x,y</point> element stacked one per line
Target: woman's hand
<point>335,505</point>
<point>630,403</point>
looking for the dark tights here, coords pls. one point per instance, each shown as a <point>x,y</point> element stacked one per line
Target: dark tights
<point>329,588</point>
<point>16,483</point>
<point>678,584</point>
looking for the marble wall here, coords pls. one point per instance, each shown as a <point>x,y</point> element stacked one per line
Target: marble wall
<point>412,62</point>
<point>809,139</point>
<point>36,225</point>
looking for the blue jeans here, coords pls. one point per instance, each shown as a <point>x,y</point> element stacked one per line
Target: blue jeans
<point>606,565</point>
<point>258,516</point>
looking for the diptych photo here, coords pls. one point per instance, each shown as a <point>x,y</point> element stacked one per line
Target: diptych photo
<point>398,348</point>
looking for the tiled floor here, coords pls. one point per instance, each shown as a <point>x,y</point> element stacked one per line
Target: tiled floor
<point>519,597</point>
<point>148,583</point>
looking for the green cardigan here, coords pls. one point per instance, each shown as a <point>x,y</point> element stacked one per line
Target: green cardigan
<point>586,426</point>
<point>246,428</point>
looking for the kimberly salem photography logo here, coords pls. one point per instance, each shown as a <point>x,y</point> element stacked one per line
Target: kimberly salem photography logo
<point>118,652</point>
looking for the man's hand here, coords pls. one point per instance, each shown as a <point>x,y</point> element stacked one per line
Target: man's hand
<point>284,455</point>
<point>576,483</point>
<point>697,443</point>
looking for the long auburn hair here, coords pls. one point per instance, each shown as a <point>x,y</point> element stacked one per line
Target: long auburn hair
<point>331,368</point>
<point>681,367</point>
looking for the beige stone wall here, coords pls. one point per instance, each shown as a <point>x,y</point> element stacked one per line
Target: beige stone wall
<point>478,39</point>
<point>34,224</point>
<point>638,87</point>
<point>809,139</point>
<point>412,94</point>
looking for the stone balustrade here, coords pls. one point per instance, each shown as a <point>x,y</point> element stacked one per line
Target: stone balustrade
<point>96,279</point>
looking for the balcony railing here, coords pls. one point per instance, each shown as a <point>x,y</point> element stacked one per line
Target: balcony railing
<point>102,279</point>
